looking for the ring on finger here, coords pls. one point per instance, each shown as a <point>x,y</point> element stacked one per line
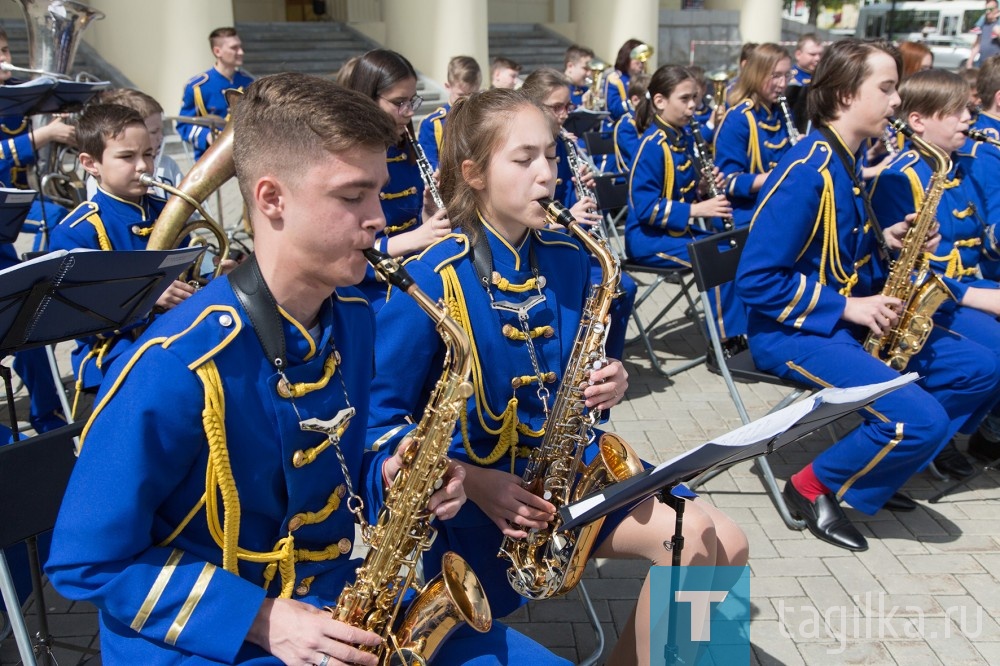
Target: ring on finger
<point>324,661</point>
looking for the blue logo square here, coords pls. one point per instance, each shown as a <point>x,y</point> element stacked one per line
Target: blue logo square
<point>699,615</point>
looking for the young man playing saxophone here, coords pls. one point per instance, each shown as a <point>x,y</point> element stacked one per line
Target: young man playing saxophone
<point>202,519</point>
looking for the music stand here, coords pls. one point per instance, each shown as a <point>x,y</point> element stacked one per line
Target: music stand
<point>14,207</point>
<point>581,121</point>
<point>68,96</point>
<point>20,99</point>
<point>61,296</point>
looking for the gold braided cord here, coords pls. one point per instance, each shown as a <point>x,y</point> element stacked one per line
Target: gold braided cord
<point>503,284</point>
<point>395,229</point>
<point>510,427</point>
<point>142,232</point>
<point>300,389</point>
<point>954,266</point>
<point>220,484</point>
<point>512,333</point>
<point>313,517</point>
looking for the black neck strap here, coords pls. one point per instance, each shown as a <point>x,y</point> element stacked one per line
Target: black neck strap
<point>482,257</point>
<point>849,164</point>
<point>252,292</point>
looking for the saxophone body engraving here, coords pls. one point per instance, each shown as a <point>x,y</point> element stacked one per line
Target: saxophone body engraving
<point>403,530</point>
<point>910,278</point>
<point>548,562</point>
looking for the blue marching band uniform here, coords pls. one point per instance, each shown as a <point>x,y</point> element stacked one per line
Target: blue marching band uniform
<point>402,205</point>
<point>105,223</point>
<point>204,95</point>
<point>662,186</point>
<point>981,162</point>
<point>800,263</point>
<point>504,419</point>
<point>616,95</point>
<point>215,522</point>
<point>626,142</point>
<point>576,94</point>
<point>431,133</point>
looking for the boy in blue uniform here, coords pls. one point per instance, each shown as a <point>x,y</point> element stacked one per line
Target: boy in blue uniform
<point>498,162</point>
<point>808,52</point>
<point>811,275</point>
<point>115,149</point>
<point>204,95</point>
<point>464,78</point>
<point>206,524</point>
<point>577,69</point>
<point>933,106</point>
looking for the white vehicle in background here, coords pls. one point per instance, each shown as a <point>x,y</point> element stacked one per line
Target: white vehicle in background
<point>950,52</point>
<point>899,20</point>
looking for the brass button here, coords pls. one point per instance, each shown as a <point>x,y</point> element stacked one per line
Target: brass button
<point>344,546</point>
<point>295,523</point>
<point>303,589</point>
<point>341,491</point>
<point>283,389</point>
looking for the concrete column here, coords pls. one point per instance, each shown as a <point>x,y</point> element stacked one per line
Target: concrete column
<point>760,21</point>
<point>158,45</point>
<point>429,33</point>
<point>604,26</point>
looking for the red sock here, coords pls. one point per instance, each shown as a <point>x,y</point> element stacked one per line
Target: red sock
<point>807,484</point>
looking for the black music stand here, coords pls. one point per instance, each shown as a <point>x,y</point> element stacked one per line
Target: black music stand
<point>761,437</point>
<point>581,121</point>
<point>61,296</point>
<point>21,99</point>
<point>67,96</point>
<point>14,207</point>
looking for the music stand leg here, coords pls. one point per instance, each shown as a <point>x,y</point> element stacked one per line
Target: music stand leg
<point>676,546</point>
<point>13,604</point>
<point>57,378</point>
<point>8,383</point>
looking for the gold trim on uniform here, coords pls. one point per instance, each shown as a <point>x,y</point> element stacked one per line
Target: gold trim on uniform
<point>817,290</point>
<point>156,591</point>
<point>795,300</point>
<point>883,452</point>
<point>197,592</point>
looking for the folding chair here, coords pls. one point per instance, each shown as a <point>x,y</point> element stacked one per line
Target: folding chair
<point>601,147</point>
<point>714,261</point>
<point>33,478</point>
<point>612,195</point>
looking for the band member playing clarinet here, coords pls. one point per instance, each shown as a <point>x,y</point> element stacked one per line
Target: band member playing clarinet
<point>519,290</point>
<point>413,220</point>
<point>202,519</point>
<point>812,276</point>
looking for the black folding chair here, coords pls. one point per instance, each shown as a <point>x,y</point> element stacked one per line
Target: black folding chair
<point>33,477</point>
<point>714,261</point>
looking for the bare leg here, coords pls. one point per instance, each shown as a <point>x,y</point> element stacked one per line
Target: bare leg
<point>710,538</point>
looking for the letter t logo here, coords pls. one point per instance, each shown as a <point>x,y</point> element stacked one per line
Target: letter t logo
<point>701,601</point>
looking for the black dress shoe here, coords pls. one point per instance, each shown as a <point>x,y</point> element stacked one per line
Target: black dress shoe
<point>899,502</point>
<point>825,519</point>
<point>951,462</point>
<point>730,348</point>
<point>983,449</point>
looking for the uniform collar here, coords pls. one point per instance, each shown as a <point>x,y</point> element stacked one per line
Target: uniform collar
<point>506,255</point>
<point>117,206</point>
<point>300,345</point>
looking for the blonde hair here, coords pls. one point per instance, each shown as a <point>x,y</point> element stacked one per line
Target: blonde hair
<point>756,73</point>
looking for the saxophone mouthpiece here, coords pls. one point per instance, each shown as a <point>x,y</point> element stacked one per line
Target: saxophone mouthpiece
<point>556,212</point>
<point>389,268</point>
<point>900,126</point>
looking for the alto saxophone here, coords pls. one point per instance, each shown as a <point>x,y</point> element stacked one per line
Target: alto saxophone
<point>403,530</point>
<point>793,132</point>
<point>548,562</point>
<point>706,167</point>
<point>910,278</point>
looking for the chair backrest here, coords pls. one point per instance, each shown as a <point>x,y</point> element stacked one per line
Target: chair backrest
<point>714,260</point>
<point>599,143</point>
<point>33,478</point>
<point>612,191</point>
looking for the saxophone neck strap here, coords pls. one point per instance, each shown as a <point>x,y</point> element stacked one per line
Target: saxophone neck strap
<point>850,166</point>
<point>252,292</point>
<point>482,257</point>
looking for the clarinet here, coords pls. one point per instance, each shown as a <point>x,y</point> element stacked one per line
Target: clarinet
<point>426,172</point>
<point>575,160</point>
<point>793,133</point>
<point>707,167</point>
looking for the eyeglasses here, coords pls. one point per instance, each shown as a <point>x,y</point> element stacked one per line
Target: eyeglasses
<point>402,107</point>
<point>568,107</point>
<point>777,76</point>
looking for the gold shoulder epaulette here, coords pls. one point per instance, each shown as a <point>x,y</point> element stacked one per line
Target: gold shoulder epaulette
<point>81,213</point>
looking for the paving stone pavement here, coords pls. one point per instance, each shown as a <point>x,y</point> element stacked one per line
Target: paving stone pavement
<point>926,591</point>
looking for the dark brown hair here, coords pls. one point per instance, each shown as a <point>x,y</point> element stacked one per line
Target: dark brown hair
<point>221,33</point>
<point>100,122</point>
<point>575,52</point>
<point>284,122</point>
<point>476,127</point>
<point>663,82</point>
<point>624,57</point>
<point>842,70</point>
<point>465,70</point>
<point>988,82</point>
<point>500,62</point>
<point>143,104</point>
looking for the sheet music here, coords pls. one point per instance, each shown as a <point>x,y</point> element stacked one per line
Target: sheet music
<point>839,396</point>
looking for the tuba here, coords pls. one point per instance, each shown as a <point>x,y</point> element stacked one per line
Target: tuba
<point>549,562</point>
<point>910,278</point>
<point>54,29</point>
<point>403,530</point>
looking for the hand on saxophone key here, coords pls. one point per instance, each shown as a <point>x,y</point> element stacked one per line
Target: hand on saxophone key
<point>512,508</point>
<point>878,313</point>
<point>895,234</point>
<point>450,494</point>
<point>606,386</point>
<point>300,634</point>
